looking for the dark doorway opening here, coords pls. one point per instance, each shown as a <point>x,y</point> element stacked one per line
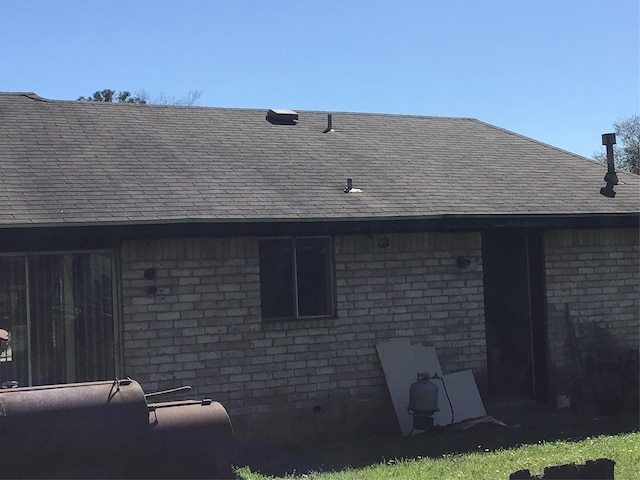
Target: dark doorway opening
<point>515,316</point>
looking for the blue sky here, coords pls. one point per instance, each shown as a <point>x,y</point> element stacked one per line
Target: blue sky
<point>559,71</point>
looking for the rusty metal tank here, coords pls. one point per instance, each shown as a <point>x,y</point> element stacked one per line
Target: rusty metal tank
<point>64,430</point>
<point>107,430</point>
<point>187,439</point>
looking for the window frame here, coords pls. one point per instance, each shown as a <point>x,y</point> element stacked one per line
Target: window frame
<point>330,282</point>
<point>118,360</point>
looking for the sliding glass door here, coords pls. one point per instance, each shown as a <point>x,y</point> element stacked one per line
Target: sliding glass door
<point>58,314</point>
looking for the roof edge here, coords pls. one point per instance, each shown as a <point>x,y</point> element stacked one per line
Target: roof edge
<point>30,95</point>
<point>320,220</point>
<point>74,237</point>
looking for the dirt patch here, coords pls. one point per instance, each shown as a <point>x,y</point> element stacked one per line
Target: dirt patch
<point>526,424</point>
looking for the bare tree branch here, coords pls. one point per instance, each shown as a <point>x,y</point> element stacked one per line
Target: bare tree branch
<point>143,97</point>
<point>627,150</point>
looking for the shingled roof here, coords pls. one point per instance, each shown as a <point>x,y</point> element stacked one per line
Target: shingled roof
<point>80,163</point>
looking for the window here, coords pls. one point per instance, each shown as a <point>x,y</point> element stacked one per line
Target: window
<point>59,312</point>
<point>296,278</point>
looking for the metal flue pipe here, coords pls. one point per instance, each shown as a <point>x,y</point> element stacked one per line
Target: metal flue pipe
<point>611,178</point>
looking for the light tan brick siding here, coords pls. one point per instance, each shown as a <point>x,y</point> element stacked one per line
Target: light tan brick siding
<point>203,327</point>
<point>593,278</point>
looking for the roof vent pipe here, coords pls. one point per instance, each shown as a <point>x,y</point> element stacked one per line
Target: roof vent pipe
<point>609,139</point>
<point>329,124</point>
<point>350,188</point>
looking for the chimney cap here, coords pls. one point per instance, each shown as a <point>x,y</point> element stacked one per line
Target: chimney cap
<point>608,138</point>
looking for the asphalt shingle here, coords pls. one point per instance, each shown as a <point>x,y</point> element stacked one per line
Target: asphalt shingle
<point>85,162</point>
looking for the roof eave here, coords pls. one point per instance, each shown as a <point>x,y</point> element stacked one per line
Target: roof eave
<point>57,236</point>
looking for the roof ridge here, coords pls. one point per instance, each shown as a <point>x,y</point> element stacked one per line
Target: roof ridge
<point>35,96</point>
<point>539,142</point>
<point>18,94</point>
<point>386,114</point>
<point>30,95</point>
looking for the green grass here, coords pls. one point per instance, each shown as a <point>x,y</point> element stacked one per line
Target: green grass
<point>624,449</point>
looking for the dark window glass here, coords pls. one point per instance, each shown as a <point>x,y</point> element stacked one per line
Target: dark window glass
<point>277,279</point>
<point>313,272</point>
<point>14,355</point>
<point>93,317</point>
<point>296,278</point>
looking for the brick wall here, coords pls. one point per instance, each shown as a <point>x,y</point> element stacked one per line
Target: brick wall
<point>198,323</point>
<point>593,280</point>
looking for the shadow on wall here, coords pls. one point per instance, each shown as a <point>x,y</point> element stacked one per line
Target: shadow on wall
<point>599,372</point>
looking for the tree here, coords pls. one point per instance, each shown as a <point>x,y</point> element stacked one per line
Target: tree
<point>143,97</point>
<point>627,149</point>
<point>191,98</point>
<point>108,95</point>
